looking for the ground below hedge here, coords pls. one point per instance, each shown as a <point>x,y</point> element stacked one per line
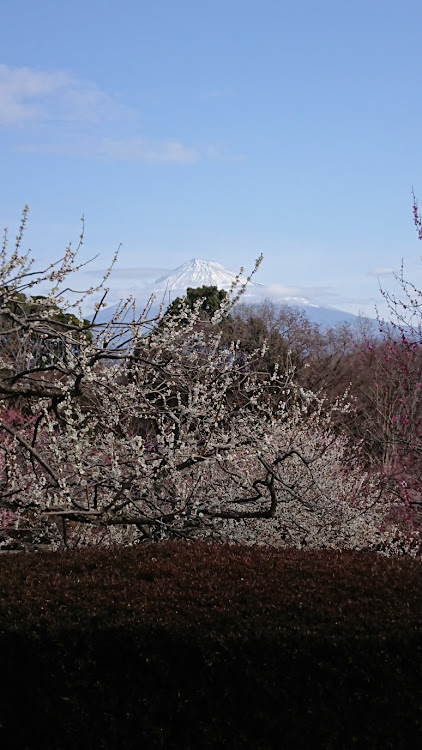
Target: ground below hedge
<point>199,646</point>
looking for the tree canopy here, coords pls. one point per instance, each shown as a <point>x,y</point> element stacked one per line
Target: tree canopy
<point>205,299</point>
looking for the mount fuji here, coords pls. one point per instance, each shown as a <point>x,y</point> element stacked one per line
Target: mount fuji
<point>196,272</point>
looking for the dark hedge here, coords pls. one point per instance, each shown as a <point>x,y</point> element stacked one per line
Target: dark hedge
<point>204,646</point>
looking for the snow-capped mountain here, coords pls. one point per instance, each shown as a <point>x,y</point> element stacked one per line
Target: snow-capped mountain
<point>195,273</point>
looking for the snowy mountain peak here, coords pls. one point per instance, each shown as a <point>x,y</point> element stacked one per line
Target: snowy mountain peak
<point>195,273</point>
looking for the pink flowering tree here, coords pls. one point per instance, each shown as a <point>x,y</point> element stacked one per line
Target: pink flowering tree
<point>389,404</point>
<point>143,431</point>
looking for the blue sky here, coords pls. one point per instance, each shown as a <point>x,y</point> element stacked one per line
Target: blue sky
<point>218,129</point>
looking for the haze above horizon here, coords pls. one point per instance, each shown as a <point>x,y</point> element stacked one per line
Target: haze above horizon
<point>217,130</point>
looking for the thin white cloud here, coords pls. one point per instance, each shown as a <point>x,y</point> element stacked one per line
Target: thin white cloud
<point>27,94</point>
<point>141,149</point>
<point>378,272</point>
<point>135,272</point>
<point>22,91</point>
<point>310,292</point>
<point>122,148</point>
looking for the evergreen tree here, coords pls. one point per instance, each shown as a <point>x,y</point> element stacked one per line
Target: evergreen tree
<point>212,298</point>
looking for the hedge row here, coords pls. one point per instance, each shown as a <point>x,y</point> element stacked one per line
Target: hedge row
<point>200,646</point>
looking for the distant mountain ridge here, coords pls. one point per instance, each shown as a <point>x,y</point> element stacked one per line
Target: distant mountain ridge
<point>197,272</point>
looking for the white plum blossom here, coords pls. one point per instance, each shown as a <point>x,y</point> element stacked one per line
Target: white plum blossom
<point>140,430</point>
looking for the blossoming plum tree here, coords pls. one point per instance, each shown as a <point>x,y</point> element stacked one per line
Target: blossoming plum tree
<point>140,431</point>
